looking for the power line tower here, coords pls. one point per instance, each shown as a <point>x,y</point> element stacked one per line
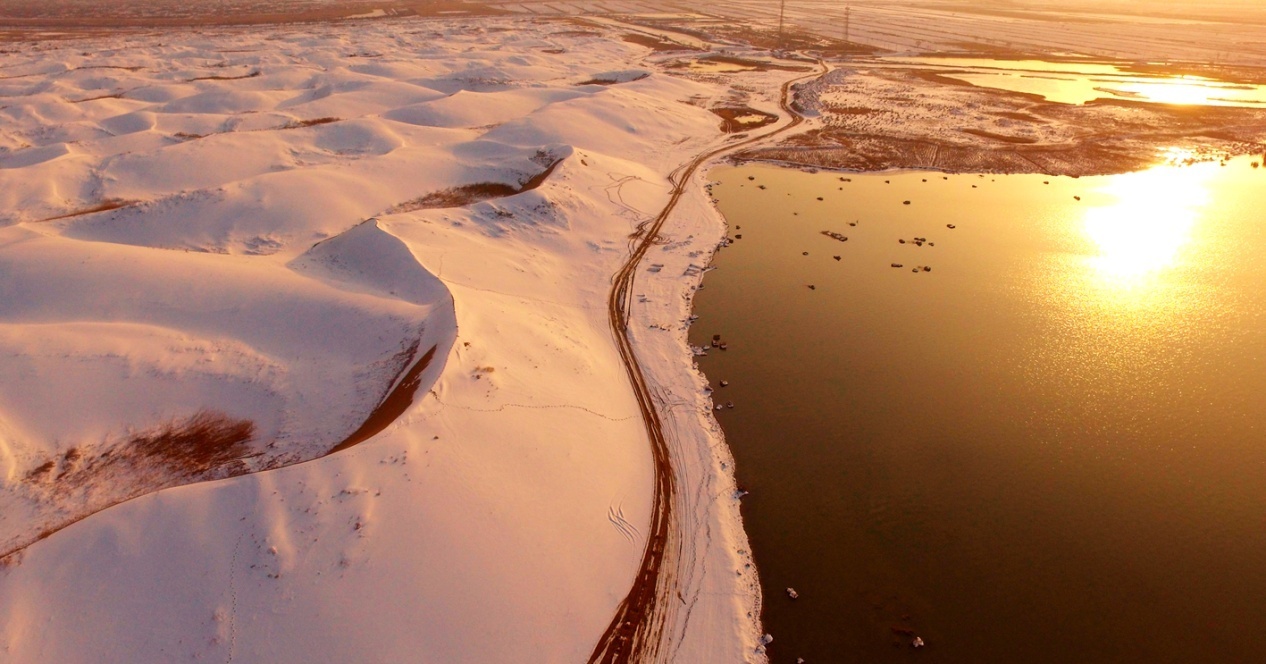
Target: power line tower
<point>782,6</point>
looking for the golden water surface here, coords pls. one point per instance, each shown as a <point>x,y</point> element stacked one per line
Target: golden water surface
<point>1076,82</point>
<point>1049,448</point>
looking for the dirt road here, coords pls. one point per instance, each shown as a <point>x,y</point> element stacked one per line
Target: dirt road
<point>636,632</point>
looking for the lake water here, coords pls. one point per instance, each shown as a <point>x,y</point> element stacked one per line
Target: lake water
<point>1079,82</point>
<point>1049,448</point>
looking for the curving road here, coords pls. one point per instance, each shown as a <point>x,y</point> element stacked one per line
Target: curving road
<point>635,634</point>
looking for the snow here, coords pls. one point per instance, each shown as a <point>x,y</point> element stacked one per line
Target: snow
<point>245,260</point>
<point>1227,33</point>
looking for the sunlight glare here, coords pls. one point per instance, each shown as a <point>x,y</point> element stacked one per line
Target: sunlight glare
<point>1149,222</point>
<point>1183,90</point>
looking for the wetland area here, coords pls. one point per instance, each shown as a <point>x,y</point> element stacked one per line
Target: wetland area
<point>1047,448</point>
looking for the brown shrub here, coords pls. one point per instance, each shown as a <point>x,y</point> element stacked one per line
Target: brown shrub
<point>196,445</point>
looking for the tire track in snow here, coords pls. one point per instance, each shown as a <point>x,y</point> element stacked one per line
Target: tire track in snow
<point>233,599</point>
<point>636,632</point>
<point>615,514</point>
<point>504,406</point>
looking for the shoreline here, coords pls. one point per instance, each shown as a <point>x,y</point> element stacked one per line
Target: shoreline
<point>636,631</point>
<point>710,228</point>
<point>1136,164</point>
<point>779,536</point>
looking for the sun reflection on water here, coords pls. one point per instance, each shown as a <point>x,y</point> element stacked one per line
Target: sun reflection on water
<point>1149,220</point>
<point>1185,90</point>
<point>1122,314</point>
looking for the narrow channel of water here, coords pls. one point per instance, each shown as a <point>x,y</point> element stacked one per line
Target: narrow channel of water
<point>1051,447</point>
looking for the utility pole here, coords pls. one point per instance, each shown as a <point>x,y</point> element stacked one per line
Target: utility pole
<point>782,6</point>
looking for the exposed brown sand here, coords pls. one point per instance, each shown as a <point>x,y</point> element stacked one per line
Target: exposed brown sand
<point>117,95</point>
<point>611,81</point>
<point>206,446</point>
<point>392,406</point>
<point>225,78</point>
<point>103,206</point>
<point>468,194</point>
<point>311,123</point>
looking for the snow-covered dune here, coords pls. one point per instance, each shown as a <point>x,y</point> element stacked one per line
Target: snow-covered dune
<point>227,254</point>
<point>107,345</point>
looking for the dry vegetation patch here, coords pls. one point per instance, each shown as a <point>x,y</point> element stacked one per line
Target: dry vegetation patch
<point>909,118</point>
<point>599,80</point>
<point>1020,140</point>
<point>655,43</point>
<point>117,95</point>
<point>297,124</point>
<point>197,445</point>
<point>104,206</point>
<point>469,194</point>
<point>91,477</point>
<point>218,77</point>
<point>735,119</point>
<point>190,448</point>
